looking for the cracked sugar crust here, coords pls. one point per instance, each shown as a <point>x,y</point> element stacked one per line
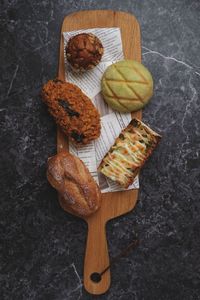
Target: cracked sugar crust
<point>72,110</point>
<point>127,86</point>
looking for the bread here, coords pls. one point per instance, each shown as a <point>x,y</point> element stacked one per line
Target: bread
<point>72,110</point>
<point>69,176</point>
<point>84,51</point>
<point>129,153</point>
<point>127,86</point>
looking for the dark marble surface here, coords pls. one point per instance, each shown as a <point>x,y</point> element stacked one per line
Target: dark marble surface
<point>42,248</point>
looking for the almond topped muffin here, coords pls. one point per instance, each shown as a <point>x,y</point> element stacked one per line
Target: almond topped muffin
<point>84,51</point>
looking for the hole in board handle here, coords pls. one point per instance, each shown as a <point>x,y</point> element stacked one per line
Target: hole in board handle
<point>95,277</point>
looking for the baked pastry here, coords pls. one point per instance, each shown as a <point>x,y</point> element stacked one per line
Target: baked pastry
<point>84,51</point>
<point>69,176</point>
<point>129,153</point>
<point>72,110</point>
<point>127,86</point>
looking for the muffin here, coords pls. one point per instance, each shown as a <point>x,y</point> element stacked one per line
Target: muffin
<point>84,51</point>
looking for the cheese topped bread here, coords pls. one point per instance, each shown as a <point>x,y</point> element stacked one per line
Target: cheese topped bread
<point>130,151</point>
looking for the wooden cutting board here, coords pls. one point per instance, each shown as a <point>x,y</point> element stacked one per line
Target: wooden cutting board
<point>117,203</point>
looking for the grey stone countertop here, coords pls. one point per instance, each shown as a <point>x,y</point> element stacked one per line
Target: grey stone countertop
<point>42,247</point>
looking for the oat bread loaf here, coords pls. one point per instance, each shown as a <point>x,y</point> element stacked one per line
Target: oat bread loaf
<point>127,86</point>
<point>69,176</point>
<point>72,110</point>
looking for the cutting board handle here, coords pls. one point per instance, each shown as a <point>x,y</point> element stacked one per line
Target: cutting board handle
<point>96,257</point>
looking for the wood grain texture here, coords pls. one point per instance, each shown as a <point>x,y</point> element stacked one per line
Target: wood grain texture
<point>113,204</point>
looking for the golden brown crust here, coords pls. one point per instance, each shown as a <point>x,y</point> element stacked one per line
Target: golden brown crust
<point>135,170</point>
<point>84,51</point>
<point>72,110</point>
<point>69,176</point>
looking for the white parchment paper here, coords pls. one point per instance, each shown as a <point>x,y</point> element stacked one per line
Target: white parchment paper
<point>112,122</point>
